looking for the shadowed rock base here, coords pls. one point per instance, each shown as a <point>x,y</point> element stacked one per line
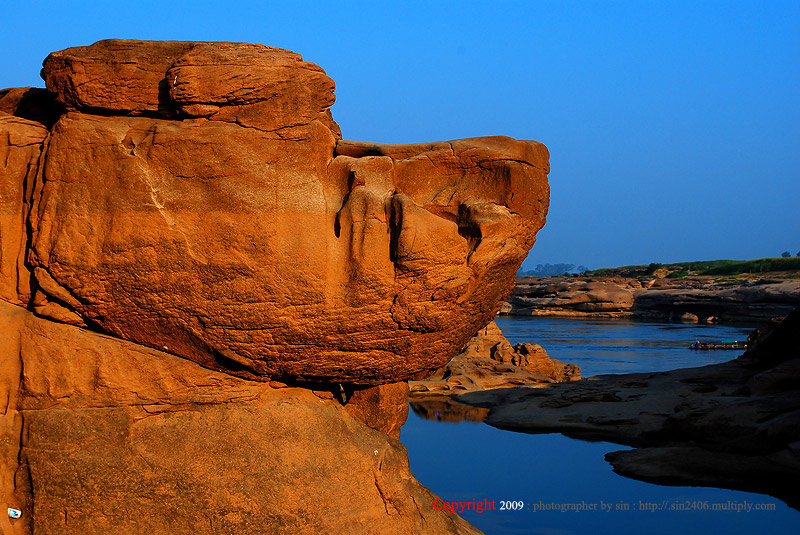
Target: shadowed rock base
<point>691,466</point>
<point>383,407</point>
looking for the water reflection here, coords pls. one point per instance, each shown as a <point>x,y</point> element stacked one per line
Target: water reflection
<point>446,410</point>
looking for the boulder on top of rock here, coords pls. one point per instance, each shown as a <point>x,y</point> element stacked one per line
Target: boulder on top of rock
<point>250,254</point>
<point>254,85</point>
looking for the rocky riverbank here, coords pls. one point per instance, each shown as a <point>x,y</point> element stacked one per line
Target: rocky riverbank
<point>691,300</point>
<point>734,425</point>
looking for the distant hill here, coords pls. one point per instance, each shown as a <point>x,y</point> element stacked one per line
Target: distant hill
<point>550,270</point>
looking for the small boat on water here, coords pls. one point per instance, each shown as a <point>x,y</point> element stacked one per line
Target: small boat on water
<point>731,344</point>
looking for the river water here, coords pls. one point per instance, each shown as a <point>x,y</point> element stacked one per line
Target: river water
<point>473,461</point>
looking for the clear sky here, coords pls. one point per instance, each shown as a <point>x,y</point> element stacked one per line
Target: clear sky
<point>673,127</point>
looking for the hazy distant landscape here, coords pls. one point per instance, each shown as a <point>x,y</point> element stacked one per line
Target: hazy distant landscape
<point>785,266</point>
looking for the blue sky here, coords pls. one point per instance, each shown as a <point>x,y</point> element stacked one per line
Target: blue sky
<point>673,127</point>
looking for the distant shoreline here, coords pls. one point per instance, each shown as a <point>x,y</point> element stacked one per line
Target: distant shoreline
<point>782,267</point>
<point>747,301</point>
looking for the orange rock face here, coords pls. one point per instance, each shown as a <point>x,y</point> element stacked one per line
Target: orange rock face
<point>249,84</point>
<point>100,435</point>
<point>197,198</point>
<point>21,143</point>
<point>382,407</point>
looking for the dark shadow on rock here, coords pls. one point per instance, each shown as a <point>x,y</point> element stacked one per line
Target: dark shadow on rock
<point>31,103</point>
<point>693,466</point>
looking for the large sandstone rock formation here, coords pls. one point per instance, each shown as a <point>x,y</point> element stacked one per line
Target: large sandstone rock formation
<point>170,202</point>
<point>197,198</point>
<point>749,302</point>
<point>559,296</point>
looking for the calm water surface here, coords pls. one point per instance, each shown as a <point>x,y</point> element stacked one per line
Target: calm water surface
<point>619,346</point>
<point>473,461</point>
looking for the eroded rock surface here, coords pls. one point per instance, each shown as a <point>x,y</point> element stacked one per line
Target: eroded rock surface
<point>102,435</point>
<point>556,296</point>
<point>489,361</point>
<point>21,145</point>
<point>249,84</point>
<point>749,302</point>
<point>197,198</point>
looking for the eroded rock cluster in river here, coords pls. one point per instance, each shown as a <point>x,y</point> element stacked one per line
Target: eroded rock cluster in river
<point>197,272</point>
<point>489,361</point>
